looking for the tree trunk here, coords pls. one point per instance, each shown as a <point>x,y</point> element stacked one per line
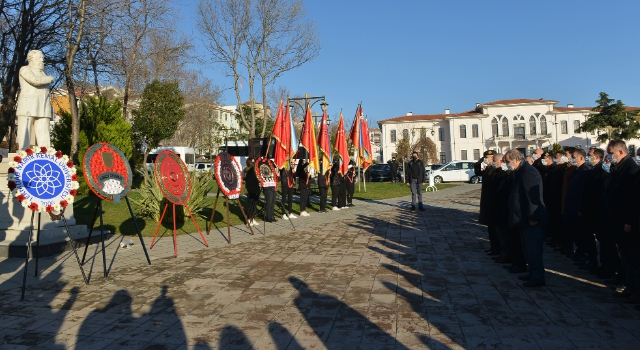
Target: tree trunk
<point>264,110</point>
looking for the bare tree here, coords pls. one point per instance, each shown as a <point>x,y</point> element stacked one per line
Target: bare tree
<point>426,148</point>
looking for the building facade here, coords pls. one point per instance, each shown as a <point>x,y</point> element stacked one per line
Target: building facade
<point>523,124</point>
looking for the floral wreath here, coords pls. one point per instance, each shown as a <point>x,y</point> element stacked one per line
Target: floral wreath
<point>47,179</point>
<point>230,165</point>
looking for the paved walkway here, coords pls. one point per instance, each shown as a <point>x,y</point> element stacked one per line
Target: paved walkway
<point>375,276</point>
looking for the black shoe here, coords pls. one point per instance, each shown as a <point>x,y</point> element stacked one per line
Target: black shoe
<point>421,208</point>
<point>492,253</point>
<point>413,207</point>
<point>487,250</point>
<point>350,205</point>
<point>533,284</point>
<point>526,277</point>
<point>517,269</point>
<point>274,220</point>
<point>614,281</point>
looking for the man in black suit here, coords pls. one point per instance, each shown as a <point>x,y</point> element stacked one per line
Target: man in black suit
<point>619,203</point>
<point>414,177</point>
<point>484,167</point>
<point>589,213</point>
<point>528,214</point>
<point>393,164</point>
<point>575,193</point>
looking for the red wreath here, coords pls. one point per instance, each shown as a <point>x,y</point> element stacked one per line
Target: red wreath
<point>229,192</point>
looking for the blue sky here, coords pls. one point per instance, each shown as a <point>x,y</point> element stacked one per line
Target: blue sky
<point>425,56</point>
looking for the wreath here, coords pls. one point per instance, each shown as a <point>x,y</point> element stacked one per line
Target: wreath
<point>227,174</point>
<point>43,179</point>
<point>266,172</point>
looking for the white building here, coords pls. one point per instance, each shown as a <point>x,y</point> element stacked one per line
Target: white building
<point>500,125</point>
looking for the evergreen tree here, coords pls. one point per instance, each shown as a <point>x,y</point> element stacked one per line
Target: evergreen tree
<point>613,120</point>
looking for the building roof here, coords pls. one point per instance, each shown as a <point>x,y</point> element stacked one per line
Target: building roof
<point>420,117</point>
<point>577,109</point>
<point>518,101</point>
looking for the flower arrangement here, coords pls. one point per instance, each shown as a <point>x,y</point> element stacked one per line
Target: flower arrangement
<point>50,184</point>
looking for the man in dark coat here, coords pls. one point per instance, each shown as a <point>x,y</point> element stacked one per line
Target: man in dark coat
<point>252,185</point>
<point>393,164</point>
<point>304,186</point>
<point>350,179</point>
<point>414,177</point>
<point>554,200</point>
<point>589,213</point>
<point>573,203</point>
<point>484,167</point>
<point>620,207</point>
<point>528,214</point>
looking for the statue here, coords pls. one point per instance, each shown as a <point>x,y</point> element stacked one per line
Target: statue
<point>34,109</point>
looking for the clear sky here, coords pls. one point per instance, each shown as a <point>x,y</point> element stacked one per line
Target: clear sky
<point>425,56</point>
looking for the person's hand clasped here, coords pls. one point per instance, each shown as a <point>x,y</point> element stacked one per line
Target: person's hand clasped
<point>532,223</point>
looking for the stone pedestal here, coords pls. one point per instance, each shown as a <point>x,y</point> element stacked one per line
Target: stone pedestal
<point>15,224</point>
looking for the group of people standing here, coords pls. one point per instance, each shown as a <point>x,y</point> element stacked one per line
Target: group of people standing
<point>341,185</point>
<point>583,203</point>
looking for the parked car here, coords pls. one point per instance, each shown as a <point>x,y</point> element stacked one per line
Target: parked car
<point>455,170</point>
<point>431,167</point>
<point>379,172</point>
<point>203,167</point>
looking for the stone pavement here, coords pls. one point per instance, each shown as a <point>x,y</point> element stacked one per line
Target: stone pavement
<point>375,276</point>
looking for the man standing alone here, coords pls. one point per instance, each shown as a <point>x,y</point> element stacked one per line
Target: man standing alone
<point>528,214</point>
<point>415,178</point>
<point>393,164</point>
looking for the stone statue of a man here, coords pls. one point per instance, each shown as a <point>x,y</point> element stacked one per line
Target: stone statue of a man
<point>34,105</point>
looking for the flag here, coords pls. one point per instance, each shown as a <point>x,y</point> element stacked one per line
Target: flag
<point>341,147</point>
<point>282,135</point>
<point>293,140</point>
<point>323,143</point>
<point>354,134</point>
<point>365,154</point>
<point>309,140</point>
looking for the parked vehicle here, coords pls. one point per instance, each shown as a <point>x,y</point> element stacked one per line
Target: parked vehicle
<point>431,167</point>
<point>187,154</point>
<point>203,167</point>
<point>456,170</point>
<point>379,172</point>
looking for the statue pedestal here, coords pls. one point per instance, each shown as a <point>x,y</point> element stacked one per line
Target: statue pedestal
<point>15,224</point>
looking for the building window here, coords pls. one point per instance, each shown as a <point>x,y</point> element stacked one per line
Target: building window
<point>505,126</point>
<point>576,126</point>
<point>476,154</point>
<point>532,126</point>
<point>543,125</point>
<point>440,134</point>
<point>463,154</point>
<point>443,157</point>
<point>518,131</point>
<point>563,127</point>
<point>393,136</point>
<point>405,133</point>
<point>474,131</point>
<point>494,127</point>
<point>463,132</point>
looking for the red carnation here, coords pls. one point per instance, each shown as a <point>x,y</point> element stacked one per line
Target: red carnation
<point>74,177</point>
<point>12,170</point>
<point>63,203</point>
<point>49,208</point>
<point>17,159</point>
<point>28,151</point>
<point>59,154</point>
<point>21,197</point>
<point>73,192</point>
<point>33,206</point>
<point>12,185</point>
<point>70,164</point>
<point>43,149</point>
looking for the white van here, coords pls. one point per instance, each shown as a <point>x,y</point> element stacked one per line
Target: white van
<point>187,154</point>
<point>456,170</point>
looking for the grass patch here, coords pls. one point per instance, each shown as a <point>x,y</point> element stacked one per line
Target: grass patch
<point>385,190</point>
<point>118,220</point>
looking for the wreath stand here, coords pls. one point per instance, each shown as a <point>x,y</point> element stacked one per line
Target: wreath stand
<point>93,223</point>
<point>175,236</point>
<point>37,253</point>
<point>213,212</point>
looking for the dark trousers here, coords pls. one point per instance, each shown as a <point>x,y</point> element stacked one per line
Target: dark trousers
<point>270,201</point>
<point>394,175</point>
<point>287,197</point>
<point>253,199</point>
<point>494,241</point>
<point>503,238</point>
<point>516,248</point>
<point>532,242</point>
<point>586,242</point>
<point>323,198</point>
<point>630,258</point>
<point>304,195</point>
<point>335,195</point>
<point>416,191</point>
<point>342,197</point>
<point>350,189</point>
